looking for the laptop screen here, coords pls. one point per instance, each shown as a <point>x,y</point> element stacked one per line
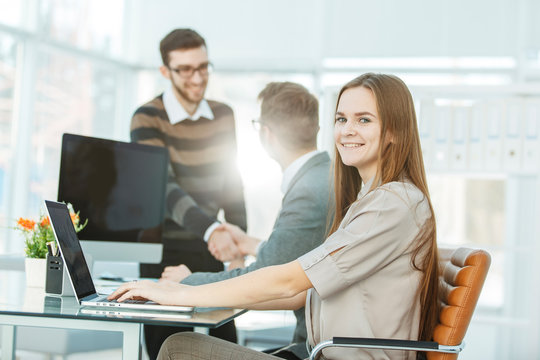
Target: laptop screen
<point>70,247</point>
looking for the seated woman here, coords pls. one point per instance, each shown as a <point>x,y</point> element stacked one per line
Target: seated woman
<point>376,275</point>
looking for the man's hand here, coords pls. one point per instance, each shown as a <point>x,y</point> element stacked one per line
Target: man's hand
<point>175,273</point>
<point>222,246</point>
<point>246,244</point>
<point>236,263</point>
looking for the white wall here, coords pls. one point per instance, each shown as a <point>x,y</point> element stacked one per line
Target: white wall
<point>284,34</point>
<point>423,28</point>
<point>238,33</point>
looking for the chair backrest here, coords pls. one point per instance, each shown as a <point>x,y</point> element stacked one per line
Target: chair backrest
<point>462,277</point>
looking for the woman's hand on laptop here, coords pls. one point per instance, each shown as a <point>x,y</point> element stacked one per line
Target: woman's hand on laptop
<point>162,292</point>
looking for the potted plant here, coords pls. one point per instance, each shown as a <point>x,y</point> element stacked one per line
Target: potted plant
<point>36,236</point>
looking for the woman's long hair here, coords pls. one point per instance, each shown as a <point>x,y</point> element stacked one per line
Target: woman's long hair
<point>401,158</point>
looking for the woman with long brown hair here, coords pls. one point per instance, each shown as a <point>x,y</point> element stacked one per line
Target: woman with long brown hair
<point>375,275</point>
<point>399,160</point>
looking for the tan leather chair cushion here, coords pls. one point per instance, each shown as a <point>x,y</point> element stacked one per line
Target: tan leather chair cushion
<point>461,283</point>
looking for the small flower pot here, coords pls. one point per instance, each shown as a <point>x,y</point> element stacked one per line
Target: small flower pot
<point>35,272</point>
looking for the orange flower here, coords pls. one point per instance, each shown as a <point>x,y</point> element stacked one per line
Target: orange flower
<point>74,217</point>
<point>26,224</point>
<point>45,222</point>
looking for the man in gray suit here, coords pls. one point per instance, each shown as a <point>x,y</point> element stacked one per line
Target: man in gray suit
<point>289,124</point>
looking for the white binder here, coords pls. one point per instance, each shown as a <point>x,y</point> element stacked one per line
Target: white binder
<point>425,129</point>
<point>442,135</point>
<point>513,135</point>
<point>476,138</point>
<point>494,144</point>
<point>458,152</point>
<point>531,139</point>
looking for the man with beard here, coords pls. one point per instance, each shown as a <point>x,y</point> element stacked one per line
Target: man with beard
<point>203,178</point>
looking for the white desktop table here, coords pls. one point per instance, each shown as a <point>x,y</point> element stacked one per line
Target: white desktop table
<point>32,307</point>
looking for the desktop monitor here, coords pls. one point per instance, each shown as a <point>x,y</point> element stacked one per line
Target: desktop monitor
<point>120,188</point>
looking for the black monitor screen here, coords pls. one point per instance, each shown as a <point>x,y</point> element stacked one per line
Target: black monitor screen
<point>119,187</point>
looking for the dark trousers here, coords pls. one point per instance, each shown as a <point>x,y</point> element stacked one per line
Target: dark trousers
<point>282,353</point>
<point>195,255</point>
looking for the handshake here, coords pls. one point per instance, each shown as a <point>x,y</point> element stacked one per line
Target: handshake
<point>229,243</point>
<point>226,243</point>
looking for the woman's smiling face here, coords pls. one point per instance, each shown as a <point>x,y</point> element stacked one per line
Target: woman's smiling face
<point>357,130</point>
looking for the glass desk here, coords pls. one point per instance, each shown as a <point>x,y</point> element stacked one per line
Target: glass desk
<point>32,307</point>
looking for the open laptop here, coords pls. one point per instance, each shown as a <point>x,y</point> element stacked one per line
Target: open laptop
<point>167,315</point>
<point>79,274</point>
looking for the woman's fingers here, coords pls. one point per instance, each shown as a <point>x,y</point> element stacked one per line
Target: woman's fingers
<point>126,288</point>
<point>116,293</point>
<point>133,293</point>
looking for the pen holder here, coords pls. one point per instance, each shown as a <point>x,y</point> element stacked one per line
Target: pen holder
<point>56,278</point>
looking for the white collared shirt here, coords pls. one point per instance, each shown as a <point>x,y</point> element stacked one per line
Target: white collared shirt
<point>176,112</point>
<point>293,168</point>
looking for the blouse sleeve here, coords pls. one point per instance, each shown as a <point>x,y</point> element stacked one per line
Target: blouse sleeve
<point>377,229</point>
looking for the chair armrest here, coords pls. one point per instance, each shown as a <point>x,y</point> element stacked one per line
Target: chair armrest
<point>380,343</point>
<point>388,344</point>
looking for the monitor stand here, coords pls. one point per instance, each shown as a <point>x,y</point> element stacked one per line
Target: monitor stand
<point>123,251</point>
<point>120,258</point>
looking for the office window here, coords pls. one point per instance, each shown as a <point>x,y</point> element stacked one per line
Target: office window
<point>149,84</point>
<point>73,95</point>
<point>12,12</point>
<point>90,25</point>
<point>471,212</point>
<point>8,52</point>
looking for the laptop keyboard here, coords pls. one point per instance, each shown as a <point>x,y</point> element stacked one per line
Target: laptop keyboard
<point>131,301</point>
<point>135,301</point>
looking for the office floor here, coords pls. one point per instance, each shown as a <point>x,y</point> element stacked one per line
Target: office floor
<point>114,354</point>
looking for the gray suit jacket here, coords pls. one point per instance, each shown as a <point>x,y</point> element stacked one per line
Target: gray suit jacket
<point>299,228</point>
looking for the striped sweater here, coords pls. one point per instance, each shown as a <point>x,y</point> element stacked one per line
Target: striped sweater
<point>203,177</point>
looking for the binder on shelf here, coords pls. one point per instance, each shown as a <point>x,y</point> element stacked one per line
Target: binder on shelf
<point>494,144</point>
<point>441,142</point>
<point>531,138</point>
<point>425,125</point>
<point>476,138</point>
<point>512,150</point>
<point>458,150</point>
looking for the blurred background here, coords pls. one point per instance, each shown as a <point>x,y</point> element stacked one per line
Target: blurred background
<point>84,66</point>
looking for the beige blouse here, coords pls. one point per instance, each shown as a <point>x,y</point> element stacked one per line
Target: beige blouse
<point>368,288</point>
